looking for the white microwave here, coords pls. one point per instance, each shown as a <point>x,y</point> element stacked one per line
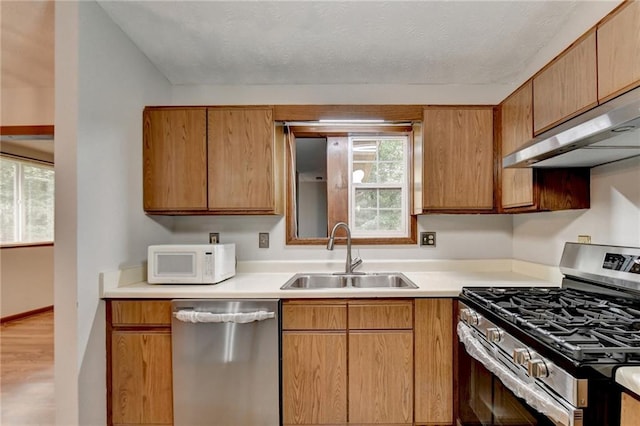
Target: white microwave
<point>190,264</point>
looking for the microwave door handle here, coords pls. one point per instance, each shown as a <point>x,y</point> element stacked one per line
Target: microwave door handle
<point>233,317</point>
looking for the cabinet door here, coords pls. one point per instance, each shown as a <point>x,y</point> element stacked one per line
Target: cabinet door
<point>434,338</point>
<point>175,159</point>
<point>619,52</point>
<point>517,129</point>
<point>567,86</point>
<point>241,160</point>
<point>381,377</point>
<point>630,410</point>
<point>140,312</point>
<point>314,377</point>
<point>458,159</point>
<point>141,384</point>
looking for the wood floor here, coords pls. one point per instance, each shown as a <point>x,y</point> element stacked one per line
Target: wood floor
<point>26,379</point>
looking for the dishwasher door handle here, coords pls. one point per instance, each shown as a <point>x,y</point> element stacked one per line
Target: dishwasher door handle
<point>210,317</point>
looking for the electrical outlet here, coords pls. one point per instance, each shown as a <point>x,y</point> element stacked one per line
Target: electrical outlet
<point>263,240</point>
<point>428,239</point>
<point>214,238</point>
<point>584,239</point>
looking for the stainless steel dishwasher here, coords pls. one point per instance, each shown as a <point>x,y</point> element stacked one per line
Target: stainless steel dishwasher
<point>226,362</point>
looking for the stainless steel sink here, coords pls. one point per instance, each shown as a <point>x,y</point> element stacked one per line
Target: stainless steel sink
<point>371,280</point>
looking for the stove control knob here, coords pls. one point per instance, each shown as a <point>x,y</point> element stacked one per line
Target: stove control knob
<point>521,356</point>
<point>537,368</point>
<point>495,335</point>
<point>469,316</point>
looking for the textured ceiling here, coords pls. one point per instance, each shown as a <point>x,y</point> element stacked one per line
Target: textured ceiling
<point>27,37</point>
<point>341,42</point>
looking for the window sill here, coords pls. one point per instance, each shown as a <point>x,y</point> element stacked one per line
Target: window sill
<point>21,245</point>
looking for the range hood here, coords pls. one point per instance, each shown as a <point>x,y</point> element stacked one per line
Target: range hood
<point>606,133</point>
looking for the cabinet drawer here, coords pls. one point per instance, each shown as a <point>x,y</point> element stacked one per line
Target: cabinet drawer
<point>141,312</point>
<point>316,315</point>
<point>373,315</point>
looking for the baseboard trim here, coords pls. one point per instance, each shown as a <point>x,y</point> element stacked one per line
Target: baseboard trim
<point>25,314</point>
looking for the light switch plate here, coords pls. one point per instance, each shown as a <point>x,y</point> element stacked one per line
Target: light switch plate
<point>263,240</point>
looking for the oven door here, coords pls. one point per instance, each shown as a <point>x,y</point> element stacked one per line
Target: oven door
<point>487,392</point>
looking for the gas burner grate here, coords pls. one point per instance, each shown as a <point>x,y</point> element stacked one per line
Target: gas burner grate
<point>587,327</point>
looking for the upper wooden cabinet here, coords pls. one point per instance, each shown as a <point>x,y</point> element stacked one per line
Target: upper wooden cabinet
<point>619,51</point>
<point>458,158</point>
<point>243,161</point>
<point>517,130</point>
<point>175,159</point>
<point>567,86</point>
<point>526,190</point>
<point>216,160</point>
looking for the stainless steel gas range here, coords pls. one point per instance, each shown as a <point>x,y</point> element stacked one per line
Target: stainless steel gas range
<point>547,356</point>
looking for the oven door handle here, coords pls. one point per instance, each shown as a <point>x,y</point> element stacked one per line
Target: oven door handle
<point>563,414</point>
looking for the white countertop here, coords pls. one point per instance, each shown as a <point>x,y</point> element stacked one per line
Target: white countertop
<point>442,278</point>
<point>256,284</point>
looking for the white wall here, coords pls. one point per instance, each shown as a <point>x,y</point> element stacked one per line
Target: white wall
<point>458,237</point>
<point>27,106</point>
<point>26,279</point>
<point>614,217</point>
<point>102,83</point>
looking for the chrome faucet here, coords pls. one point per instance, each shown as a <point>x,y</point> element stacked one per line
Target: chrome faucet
<point>349,265</point>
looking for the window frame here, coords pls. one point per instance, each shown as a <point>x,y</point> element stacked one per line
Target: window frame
<point>20,211</point>
<point>306,130</point>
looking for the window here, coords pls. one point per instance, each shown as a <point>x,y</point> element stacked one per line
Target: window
<point>358,174</point>
<point>26,201</point>
<point>378,186</point>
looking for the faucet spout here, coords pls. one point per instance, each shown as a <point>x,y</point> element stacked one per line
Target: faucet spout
<point>349,264</point>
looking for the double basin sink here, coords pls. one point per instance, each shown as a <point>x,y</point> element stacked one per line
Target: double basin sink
<point>318,281</point>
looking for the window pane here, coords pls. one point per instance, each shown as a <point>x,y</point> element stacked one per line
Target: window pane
<point>391,198</point>
<point>390,172</point>
<point>37,192</point>
<point>365,150</point>
<point>8,200</point>
<point>366,220</point>
<point>365,173</point>
<point>391,150</point>
<point>366,198</point>
<point>390,220</point>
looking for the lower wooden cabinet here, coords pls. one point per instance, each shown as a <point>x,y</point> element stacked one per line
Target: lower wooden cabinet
<point>381,377</point>
<point>352,361</point>
<point>139,370</point>
<point>434,342</point>
<point>629,410</point>
<point>314,381</point>
<point>141,377</point>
